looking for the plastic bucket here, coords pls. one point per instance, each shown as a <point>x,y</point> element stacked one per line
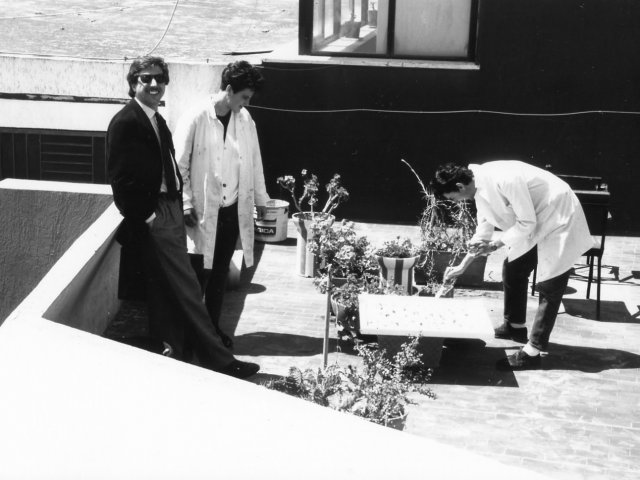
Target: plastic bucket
<point>273,227</point>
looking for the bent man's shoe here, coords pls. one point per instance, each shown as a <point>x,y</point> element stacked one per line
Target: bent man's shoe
<point>507,332</point>
<point>519,361</point>
<point>240,369</point>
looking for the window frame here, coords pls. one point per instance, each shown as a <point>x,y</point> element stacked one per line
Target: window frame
<point>305,37</point>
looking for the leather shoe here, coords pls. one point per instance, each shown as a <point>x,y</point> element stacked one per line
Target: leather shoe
<point>240,369</point>
<point>519,361</point>
<point>508,332</point>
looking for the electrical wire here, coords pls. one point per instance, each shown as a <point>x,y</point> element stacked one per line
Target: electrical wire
<point>449,112</point>
<point>166,29</point>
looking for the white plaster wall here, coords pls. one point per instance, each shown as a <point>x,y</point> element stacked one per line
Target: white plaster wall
<point>56,252</point>
<point>190,83</point>
<point>56,115</point>
<point>90,301</point>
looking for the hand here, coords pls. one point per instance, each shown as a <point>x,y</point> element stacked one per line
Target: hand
<point>478,247</point>
<point>484,247</point>
<point>452,273</point>
<point>261,211</point>
<point>190,217</point>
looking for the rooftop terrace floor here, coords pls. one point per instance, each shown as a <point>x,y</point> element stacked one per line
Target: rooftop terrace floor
<point>576,418</point>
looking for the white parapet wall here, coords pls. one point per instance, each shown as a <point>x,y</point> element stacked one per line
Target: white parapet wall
<point>77,406</point>
<point>58,254</point>
<point>100,80</point>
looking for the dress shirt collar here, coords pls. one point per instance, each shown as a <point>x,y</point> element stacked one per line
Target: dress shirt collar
<point>149,111</point>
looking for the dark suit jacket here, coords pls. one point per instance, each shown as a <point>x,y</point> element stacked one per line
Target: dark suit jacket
<point>134,163</point>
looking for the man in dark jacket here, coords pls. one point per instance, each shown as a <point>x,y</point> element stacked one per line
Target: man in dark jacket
<point>154,263</point>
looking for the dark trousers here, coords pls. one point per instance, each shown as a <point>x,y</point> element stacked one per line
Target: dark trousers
<point>227,234</point>
<point>515,278</point>
<point>176,312</point>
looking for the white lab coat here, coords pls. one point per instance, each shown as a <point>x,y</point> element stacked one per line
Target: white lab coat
<point>198,142</point>
<point>532,207</point>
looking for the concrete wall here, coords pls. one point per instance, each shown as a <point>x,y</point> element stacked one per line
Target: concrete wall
<point>190,83</point>
<point>57,254</point>
<point>89,301</point>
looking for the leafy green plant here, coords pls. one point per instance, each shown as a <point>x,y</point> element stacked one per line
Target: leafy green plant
<point>378,390</point>
<point>397,248</point>
<point>346,253</point>
<point>347,293</point>
<point>445,226</point>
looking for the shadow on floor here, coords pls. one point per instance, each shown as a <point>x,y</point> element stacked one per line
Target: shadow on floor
<point>610,311</point>
<point>472,363</point>
<point>588,359</point>
<point>279,344</point>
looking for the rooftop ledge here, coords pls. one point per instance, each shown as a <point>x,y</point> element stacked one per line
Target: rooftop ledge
<point>289,54</point>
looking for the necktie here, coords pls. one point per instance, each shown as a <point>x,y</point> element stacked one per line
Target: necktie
<point>167,161</point>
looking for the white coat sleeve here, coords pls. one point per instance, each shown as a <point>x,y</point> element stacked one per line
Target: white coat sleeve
<point>183,142</point>
<point>517,194</point>
<point>261,197</point>
<point>484,229</point>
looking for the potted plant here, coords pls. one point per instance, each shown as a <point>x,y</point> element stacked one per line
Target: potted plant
<point>379,390</point>
<point>344,302</point>
<point>312,222</point>
<point>344,251</point>
<point>445,230</point>
<point>396,259</point>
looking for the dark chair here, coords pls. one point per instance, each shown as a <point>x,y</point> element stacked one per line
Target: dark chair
<point>595,205</point>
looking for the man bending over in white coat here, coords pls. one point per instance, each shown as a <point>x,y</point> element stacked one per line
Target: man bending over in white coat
<point>542,223</point>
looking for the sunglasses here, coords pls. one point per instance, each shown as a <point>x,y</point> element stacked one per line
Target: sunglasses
<point>159,78</point>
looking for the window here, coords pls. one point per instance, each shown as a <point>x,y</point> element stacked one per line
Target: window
<point>411,29</point>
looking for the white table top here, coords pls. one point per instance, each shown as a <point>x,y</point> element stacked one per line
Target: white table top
<point>424,316</point>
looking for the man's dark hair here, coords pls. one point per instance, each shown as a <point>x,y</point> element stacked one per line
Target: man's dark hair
<point>141,63</point>
<point>446,177</point>
<point>241,75</point>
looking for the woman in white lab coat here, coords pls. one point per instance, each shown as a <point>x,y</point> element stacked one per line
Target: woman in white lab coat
<point>219,158</point>
<point>542,223</point>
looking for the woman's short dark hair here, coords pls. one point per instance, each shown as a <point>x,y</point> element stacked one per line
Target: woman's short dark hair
<point>446,177</point>
<point>241,75</point>
<point>141,63</point>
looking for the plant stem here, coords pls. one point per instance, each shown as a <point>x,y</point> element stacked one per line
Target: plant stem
<point>328,204</point>
<point>424,189</point>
